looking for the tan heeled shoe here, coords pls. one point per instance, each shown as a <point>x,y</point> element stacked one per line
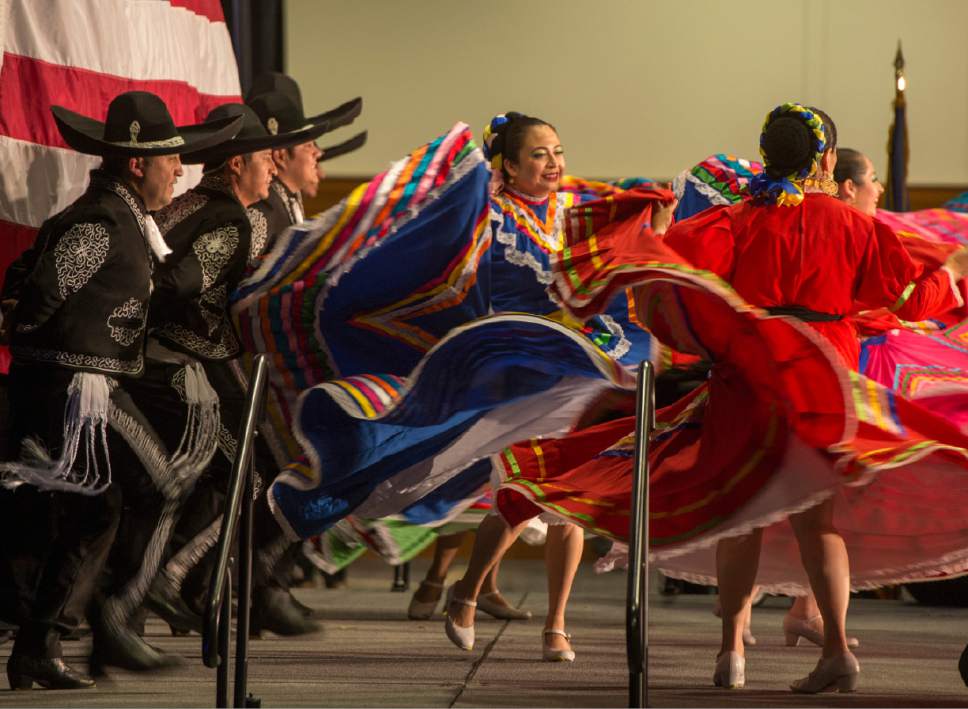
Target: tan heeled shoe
<point>459,635</point>
<point>551,655</point>
<point>836,673</point>
<point>730,671</point>
<point>498,610</point>
<point>811,628</point>
<point>424,610</point>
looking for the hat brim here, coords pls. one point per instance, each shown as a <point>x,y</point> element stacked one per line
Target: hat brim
<point>243,146</point>
<point>340,116</point>
<point>347,146</point>
<point>86,135</point>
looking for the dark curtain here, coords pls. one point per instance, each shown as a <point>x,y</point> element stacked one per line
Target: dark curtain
<point>256,29</point>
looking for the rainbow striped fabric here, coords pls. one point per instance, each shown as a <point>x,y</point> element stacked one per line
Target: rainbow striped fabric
<point>719,179</point>
<point>362,289</point>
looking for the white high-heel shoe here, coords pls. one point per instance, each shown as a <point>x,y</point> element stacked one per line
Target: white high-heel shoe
<point>497,610</point>
<point>551,655</point>
<point>424,610</point>
<point>836,673</point>
<point>795,628</point>
<point>730,671</point>
<point>461,637</point>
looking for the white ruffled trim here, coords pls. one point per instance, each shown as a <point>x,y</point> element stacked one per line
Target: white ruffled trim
<point>553,241</point>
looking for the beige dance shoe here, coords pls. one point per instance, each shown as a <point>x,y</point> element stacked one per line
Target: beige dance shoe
<point>424,610</point>
<point>504,612</point>
<point>550,655</point>
<point>461,637</point>
<point>730,671</point>
<point>811,629</point>
<point>836,673</point>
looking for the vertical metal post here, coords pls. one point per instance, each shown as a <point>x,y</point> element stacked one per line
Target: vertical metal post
<point>237,511</point>
<point>637,599</point>
<point>245,589</point>
<point>224,628</point>
<point>401,577</point>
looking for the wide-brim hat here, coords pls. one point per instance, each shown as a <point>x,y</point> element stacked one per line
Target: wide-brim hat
<point>274,82</point>
<point>281,114</point>
<point>347,146</point>
<point>138,124</point>
<point>252,136</point>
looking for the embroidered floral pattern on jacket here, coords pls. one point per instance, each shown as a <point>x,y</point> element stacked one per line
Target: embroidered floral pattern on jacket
<point>260,232</point>
<point>108,365</point>
<point>79,254</point>
<point>136,208</point>
<point>127,321</point>
<point>198,345</point>
<point>179,210</point>
<point>213,304</point>
<point>214,250</point>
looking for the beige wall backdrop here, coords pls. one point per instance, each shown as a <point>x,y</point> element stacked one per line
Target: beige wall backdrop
<point>636,87</point>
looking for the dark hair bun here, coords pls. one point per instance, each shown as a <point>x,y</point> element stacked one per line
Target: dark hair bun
<point>787,145</point>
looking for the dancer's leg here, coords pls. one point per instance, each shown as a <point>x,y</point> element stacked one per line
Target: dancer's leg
<point>494,536</point>
<point>805,607</point>
<point>490,581</point>
<point>445,550</point>
<point>737,560</point>
<point>562,555</point>
<point>824,557</point>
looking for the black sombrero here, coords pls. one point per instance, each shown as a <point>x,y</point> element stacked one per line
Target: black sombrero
<point>282,116</point>
<point>251,137</point>
<point>138,124</point>
<point>273,82</point>
<point>347,146</point>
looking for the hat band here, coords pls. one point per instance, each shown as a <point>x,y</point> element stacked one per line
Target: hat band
<point>175,142</point>
<point>272,125</point>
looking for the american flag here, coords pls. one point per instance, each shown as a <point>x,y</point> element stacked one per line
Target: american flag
<point>81,54</point>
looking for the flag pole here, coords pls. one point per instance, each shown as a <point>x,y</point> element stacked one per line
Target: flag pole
<point>897,142</point>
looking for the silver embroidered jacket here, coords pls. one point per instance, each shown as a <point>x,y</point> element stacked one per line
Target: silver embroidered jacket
<point>209,234</point>
<point>274,215</point>
<point>83,288</point>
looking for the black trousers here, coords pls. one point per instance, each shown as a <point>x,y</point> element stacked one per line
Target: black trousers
<point>155,395</point>
<point>52,592</point>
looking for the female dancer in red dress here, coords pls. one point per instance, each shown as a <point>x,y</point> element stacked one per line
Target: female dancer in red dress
<point>784,425</point>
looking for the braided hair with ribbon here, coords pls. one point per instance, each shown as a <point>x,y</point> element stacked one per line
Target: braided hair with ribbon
<point>792,142</point>
<point>503,138</point>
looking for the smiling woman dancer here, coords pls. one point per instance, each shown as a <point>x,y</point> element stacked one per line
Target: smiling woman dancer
<point>527,162</point>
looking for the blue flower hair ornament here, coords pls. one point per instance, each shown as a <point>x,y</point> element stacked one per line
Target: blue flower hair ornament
<point>491,133</point>
<point>787,190</point>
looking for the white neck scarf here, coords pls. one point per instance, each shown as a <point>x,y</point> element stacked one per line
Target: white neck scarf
<point>155,240</point>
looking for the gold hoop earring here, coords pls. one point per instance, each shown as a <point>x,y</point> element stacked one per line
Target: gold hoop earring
<point>828,186</point>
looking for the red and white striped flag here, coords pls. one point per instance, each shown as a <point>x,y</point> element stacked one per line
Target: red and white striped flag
<point>81,54</point>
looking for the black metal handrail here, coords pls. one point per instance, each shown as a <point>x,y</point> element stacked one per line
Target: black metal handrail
<point>237,514</point>
<point>637,599</point>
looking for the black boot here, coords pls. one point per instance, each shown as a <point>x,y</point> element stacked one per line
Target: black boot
<point>165,601</point>
<point>52,673</point>
<point>301,607</point>
<point>273,609</point>
<point>122,647</point>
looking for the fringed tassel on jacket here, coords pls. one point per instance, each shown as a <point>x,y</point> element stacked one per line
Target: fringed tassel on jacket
<point>86,419</point>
